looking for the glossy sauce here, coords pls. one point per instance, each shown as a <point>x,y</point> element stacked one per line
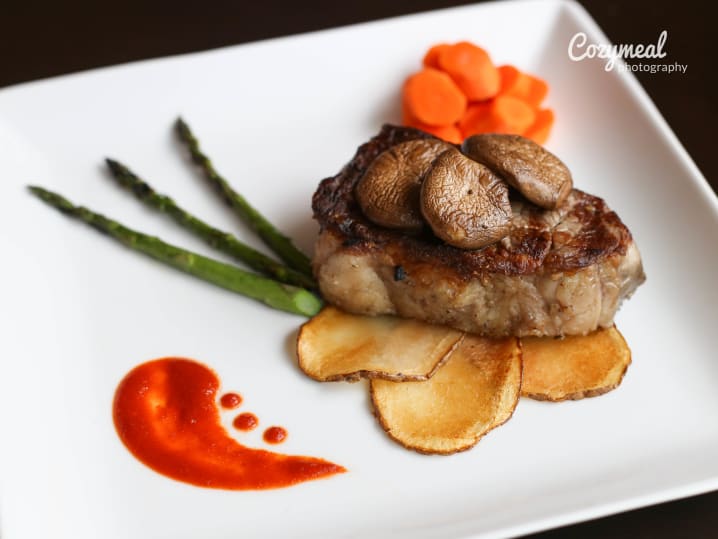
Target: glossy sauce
<point>275,435</point>
<point>245,421</point>
<point>230,400</point>
<point>166,414</point>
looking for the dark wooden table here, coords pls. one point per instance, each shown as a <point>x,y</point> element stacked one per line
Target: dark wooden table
<point>38,42</point>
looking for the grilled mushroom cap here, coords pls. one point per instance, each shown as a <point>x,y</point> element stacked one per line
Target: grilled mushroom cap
<point>388,193</point>
<point>537,173</point>
<point>464,202</point>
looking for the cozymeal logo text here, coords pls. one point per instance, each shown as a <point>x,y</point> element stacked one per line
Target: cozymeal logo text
<point>579,48</point>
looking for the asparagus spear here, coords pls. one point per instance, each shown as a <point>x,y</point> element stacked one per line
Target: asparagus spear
<point>221,241</point>
<point>280,296</point>
<point>280,244</point>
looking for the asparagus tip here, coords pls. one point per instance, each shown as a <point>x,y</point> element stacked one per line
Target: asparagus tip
<point>53,199</point>
<point>181,125</point>
<point>41,192</point>
<point>117,169</point>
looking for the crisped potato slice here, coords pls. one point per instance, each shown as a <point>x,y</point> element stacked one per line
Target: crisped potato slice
<point>473,392</point>
<point>335,345</point>
<point>574,367</point>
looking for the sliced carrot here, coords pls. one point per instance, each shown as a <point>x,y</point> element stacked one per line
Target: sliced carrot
<point>460,93</point>
<point>508,74</point>
<point>513,81</point>
<point>503,114</point>
<point>511,115</point>
<point>522,85</point>
<point>449,133</point>
<point>472,70</point>
<point>431,58</point>
<point>433,98</point>
<point>541,127</point>
<point>477,120</point>
<point>538,91</point>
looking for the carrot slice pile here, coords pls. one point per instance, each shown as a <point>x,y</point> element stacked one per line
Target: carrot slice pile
<point>460,92</point>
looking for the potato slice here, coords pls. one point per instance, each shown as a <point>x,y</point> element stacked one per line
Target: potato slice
<point>474,391</point>
<point>335,345</point>
<point>574,367</point>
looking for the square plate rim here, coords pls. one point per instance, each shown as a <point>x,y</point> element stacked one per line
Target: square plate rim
<point>627,79</point>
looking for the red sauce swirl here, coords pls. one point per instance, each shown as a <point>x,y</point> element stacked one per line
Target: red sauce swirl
<point>166,414</point>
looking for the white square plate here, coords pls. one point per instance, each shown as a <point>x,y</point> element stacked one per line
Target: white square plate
<point>78,311</point>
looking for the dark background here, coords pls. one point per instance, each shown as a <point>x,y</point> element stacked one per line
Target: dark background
<point>45,39</point>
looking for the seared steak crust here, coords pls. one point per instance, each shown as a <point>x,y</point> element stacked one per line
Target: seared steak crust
<point>563,271</point>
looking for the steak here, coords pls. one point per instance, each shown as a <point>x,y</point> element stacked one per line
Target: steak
<point>558,272</point>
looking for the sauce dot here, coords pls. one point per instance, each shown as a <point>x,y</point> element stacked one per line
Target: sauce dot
<point>275,435</point>
<point>230,400</point>
<point>245,421</point>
